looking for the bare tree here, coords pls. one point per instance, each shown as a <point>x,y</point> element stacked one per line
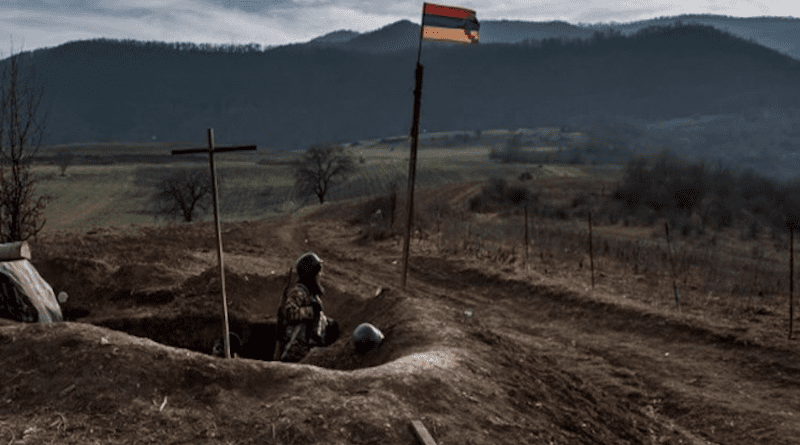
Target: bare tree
<point>63,160</point>
<point>321,168</point>
<point>22,126</point>
<point>184,192</point>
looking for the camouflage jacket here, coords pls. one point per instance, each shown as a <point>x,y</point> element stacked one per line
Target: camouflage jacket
<point>301,316</point>
<point>299,305</point>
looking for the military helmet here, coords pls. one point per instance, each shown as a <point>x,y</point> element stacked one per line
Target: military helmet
<point>308,265</point>
<point>366,338</point>
<point>218,349</point>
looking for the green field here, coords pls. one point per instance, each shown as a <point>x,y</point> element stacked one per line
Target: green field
<point>112,184</point>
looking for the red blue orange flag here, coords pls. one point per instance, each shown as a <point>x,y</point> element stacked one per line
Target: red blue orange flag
<point>449,24</point>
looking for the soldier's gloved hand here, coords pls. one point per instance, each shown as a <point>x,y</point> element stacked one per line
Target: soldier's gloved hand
<point>312,335</point>
<point>316,303</point>
<point>316,314</point>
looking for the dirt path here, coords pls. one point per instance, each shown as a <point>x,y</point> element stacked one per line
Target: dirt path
<point>703,379</point>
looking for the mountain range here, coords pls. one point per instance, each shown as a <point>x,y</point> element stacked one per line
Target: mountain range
<point>779,33</point>
<point>346,86</point>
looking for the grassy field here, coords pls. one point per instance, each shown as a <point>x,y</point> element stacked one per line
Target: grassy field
<point>112,184</point>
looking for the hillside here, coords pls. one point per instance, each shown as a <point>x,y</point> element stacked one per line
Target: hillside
<point>778,33</point>
<point>300,94</point>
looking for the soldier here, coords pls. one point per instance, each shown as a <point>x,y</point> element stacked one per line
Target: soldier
<point>301,323</point>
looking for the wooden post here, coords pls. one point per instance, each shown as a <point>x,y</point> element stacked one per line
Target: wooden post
<point>438,230</point>
<point>226,327</point>
<point>423,436</point>
<point>591,250</point>
<point>791,279</point>
<point>526,235</point>
<point>412,160</point>
<point>211,150</point>
<point>412,165</point>
<point>393,199</point>
<point>672,267</point>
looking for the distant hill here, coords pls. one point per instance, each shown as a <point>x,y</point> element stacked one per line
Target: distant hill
<point>295,95</point>
<point>398,36</point>
<point>340,36</point>
<point>514,31</point>
<point>779,33</point>
<point>404,35</point>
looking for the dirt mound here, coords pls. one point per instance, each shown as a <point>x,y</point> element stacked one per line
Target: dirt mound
<point>249,296</point>
<point>159,394</point>
<point>388,312</point>
<point>79,277</point>
<point>162,394</point>
<point>141,276</point>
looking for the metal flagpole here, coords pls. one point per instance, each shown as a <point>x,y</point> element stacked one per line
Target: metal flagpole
<point>412,159</point>
<point>211,150</point>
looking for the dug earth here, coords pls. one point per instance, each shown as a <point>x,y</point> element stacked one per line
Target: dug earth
<point>480,353</point>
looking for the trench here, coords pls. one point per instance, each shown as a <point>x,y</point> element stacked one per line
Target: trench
<point>187,315</point>
<point>199,333</point>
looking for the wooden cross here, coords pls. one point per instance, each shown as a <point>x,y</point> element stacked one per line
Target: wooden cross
<point>211,150</point>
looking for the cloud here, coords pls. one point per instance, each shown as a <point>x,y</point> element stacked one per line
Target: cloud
<point>175,21</point>
<point>219,21</point>
<point>40,23</point>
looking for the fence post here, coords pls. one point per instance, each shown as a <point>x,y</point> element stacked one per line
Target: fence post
<point>438,231</point>
<point>672,267</point>
<point>393,204</point>
<point>591,250</point>
<point>791,279</point>
<point>526,235</point>
<point>469,236</point>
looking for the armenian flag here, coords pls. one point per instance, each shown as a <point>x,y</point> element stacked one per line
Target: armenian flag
<point>449,24</point>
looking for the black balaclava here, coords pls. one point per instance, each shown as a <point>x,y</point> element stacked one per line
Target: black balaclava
<point>308,268</point>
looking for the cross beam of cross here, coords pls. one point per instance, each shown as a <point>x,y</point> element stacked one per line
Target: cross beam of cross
<point>211,150</point>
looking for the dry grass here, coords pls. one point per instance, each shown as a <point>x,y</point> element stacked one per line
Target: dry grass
<point>119,194</point>
<point>734,275</point>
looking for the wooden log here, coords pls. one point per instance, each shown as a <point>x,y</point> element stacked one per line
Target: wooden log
<point>15,251</point>
<point>422,434</point>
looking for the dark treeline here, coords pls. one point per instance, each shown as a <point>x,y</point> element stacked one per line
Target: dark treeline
<point>156,46</point>
<point>696,197</point>
<point>297,95</point>
<point>676,38</point>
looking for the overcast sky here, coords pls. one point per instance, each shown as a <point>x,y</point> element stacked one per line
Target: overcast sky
<point>35,24</point>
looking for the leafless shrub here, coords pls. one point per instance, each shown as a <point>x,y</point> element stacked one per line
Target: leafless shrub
<point>22,126</point>
<point>498,195</point>
<point>183,193</point>
<point>321,168</point>
<point>63,161</point>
